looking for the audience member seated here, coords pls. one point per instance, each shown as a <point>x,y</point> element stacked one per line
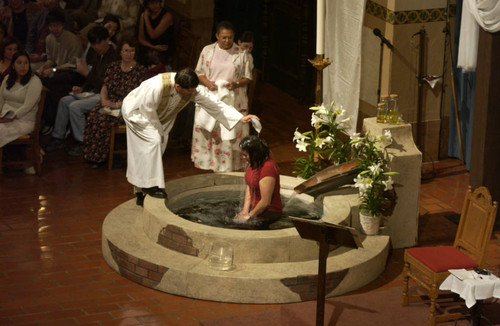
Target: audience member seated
<point>39,29</point>
<point>8,48</point>
<point>19,96</point>
<point>156,34</point>
<point>121,78</point>
<point>225,71</point>
<point>85,13</point>
<point>72,108</point>
<point>63,49</point>
<point>110,22</point>
<point>126,10</point>
<point>17,16</point>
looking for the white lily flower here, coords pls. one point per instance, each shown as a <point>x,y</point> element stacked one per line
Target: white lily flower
<point>386,138</point>
<point>301,145</point>
<point>298,136</point>
<point>375,168</point>
<point>388,183</point>
<point>339,111</point>
<point>329,139</point>
<point>362,183</point>
<point>322,110</point>
<point>319,142</point>
<point>315,119</point>
<point>355,136</point>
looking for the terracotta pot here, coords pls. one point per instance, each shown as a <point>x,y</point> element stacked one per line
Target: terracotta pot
<point>369,224</point>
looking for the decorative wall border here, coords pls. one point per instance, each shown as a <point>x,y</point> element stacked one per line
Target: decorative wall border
<point>408,16</point>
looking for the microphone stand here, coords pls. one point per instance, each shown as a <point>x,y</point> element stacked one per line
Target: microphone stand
<point>380,70</point>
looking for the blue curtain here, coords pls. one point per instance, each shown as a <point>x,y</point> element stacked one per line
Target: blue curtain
<point>465,85</point>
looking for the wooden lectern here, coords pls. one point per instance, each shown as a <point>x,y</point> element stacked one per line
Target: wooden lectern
<point>325,234</point>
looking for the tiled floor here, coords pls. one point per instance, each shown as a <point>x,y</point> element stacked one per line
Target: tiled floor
<point>52,271</point>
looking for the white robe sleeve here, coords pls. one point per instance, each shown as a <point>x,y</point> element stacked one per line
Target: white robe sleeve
<point>227,115</point>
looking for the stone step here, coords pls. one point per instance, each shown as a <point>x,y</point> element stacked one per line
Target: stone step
<point>133,254</point>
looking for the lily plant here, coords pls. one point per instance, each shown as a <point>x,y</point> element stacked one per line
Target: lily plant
<point>374,180</point>
<point>323,145</point>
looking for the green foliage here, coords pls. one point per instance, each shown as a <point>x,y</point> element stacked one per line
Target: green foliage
<point>322,145</point>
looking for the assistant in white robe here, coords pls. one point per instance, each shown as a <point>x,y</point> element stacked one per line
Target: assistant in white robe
<point>150,115</point>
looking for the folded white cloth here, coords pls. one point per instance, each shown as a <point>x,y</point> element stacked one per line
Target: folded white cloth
<point>256,125</point>
<point>206,121</point>
<point>473,289</point>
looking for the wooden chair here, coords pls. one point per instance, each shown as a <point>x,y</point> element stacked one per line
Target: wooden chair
<point>32,143</point>
<point>116,130</point>
<point>428,266</point>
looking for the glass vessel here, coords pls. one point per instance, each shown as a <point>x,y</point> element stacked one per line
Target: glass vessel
<point>393,109</point>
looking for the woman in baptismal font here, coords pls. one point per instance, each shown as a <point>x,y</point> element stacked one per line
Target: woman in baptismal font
<point>262,205</point>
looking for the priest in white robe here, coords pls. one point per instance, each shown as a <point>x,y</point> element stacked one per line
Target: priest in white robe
<point>149,112</point>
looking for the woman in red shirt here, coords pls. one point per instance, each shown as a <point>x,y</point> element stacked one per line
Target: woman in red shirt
<point>262,204</point>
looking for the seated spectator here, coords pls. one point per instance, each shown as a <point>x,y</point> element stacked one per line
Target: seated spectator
<point>110,22</point>
<point>39,29</point>
<point>19,96</point>
<point>63,49</point>
<point>121,78</point>
<point>17,16</point>
<point>72,108</point>
<point>85,13</point>
<point>156,34</point>
<point>8,48</point>
<point>126,10</point>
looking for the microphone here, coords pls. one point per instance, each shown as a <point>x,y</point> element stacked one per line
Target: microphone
<point>378,33</point>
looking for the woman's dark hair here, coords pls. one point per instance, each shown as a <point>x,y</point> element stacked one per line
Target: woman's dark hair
<point>8,40</point>
<point>114,19</point>
<point>187,78</point>
<point>11,79</point>
<point>257,150</point>
<point>146,2</point>
<point>224,25</point>
<point>247,37</point>
<point>131,41</point>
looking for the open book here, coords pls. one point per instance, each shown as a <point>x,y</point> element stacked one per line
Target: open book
<point>110,111</point>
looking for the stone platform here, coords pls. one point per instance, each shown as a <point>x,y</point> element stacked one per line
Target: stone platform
<point>156,248</point>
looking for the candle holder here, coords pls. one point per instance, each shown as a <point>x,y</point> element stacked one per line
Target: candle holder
<point>320,63</point>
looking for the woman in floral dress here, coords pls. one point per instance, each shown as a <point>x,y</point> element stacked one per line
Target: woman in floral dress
<point>121,78</point>
<point>223,68</point>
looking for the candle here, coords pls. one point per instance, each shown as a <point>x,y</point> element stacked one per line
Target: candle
<point>320,27</point>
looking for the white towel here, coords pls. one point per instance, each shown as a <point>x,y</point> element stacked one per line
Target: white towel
<point>206,121</point>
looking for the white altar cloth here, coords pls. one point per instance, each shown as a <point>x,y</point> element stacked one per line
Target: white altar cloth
<point>472,289</point>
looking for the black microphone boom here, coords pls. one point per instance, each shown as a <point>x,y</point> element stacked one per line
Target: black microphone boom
<point>378,33</point>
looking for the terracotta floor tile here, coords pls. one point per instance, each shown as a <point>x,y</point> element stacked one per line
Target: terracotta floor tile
<point>53,272</point>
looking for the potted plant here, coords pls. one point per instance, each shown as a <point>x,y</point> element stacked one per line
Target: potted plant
<point>323,145</point>
<point>374,181</point>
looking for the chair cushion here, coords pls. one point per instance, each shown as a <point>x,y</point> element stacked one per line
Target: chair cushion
<point>442,258</point>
